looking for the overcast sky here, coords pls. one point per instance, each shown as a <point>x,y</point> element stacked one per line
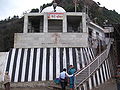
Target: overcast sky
<point>17,7</point>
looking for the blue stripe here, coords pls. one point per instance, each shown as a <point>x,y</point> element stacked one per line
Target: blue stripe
<point>47,63</point>
<point>27,65</point>
<point>54,63</point>
<point>9,59</point>
<point>61,59</point>
<point>67,58</point>
<point>40,66</point>
<point>21,64</point>
<point>14,65</point>
<point>34,64</point>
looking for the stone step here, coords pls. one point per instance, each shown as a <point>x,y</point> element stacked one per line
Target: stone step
<point>43,85</point>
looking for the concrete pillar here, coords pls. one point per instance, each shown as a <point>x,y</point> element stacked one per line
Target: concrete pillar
<point>98,78</point>
<point>94,80</point>
<point>90,83</point>
<point>107,70</point>
<point>84,23</point>
<point>25,24</point>
<point>85,86</point>
<point>104,72</point>
<point>65,23</point>
<point>45,30</point>
<point>101,74</point>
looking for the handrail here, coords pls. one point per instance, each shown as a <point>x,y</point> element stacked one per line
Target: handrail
<point>87,71</point>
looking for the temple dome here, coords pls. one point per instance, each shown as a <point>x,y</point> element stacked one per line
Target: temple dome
<point>51,9</point>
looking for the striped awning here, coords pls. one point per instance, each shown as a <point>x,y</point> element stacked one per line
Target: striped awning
<point>40,64</point>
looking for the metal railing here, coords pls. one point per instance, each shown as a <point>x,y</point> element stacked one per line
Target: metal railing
<point>82,75</point>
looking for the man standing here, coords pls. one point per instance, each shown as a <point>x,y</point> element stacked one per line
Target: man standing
<point>71,71</point>
<point>63,78</point>
<point>6,81</point>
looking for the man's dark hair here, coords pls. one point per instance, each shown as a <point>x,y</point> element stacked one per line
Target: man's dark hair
<point>64,69</point>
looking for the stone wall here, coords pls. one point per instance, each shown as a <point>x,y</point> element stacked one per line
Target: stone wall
<point>37,40</point>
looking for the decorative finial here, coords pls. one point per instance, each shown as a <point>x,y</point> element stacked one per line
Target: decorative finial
<point>54,6</point>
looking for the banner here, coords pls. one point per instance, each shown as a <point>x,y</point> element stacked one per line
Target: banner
<point>55,15</point>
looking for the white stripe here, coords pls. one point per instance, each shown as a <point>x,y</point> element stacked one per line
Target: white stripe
<point>17,66</point>
<point>77,59</point>
<point>37,64</point>
<point>30,65</point>
<point>6,60</point>
<point>51,65</point>
<point>70,56</point>
<point>57,62</point>
<point>44,64</point>
<point>80,88</point>
<point>90,83</point>
<point>82,58</point>
<point>11,63</point>
<point>104,71</point>
<point>107,69</point>
<point>88,55</point>
<point>101,75</point>
<point>94,80</point>
<point>86,60</point>
<point>92,53</point>
<point>98,78</point>
<point>24,65</point>
<point>64,59</point>
<point>85,86</point>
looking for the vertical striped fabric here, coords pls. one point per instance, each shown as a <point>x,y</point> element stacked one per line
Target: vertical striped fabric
<point>40,64</point>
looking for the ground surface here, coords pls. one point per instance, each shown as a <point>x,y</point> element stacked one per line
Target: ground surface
<point>110,85</point>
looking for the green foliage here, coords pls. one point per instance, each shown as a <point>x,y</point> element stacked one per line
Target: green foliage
<point>7,29</point>
<point>34,10</point>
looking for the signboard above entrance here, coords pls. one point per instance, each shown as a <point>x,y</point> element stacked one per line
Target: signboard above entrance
<point>55,15</point>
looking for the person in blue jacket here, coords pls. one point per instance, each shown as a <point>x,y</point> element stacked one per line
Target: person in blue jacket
<point>71,71</point>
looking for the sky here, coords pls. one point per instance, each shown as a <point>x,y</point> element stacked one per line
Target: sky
<point>17,7</point>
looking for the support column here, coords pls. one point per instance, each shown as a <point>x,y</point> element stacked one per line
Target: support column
<point>90,83</point>
<point>84,23</point>
<point>107,71</point>
<point>94,80</point>
<point>85,86</point>
<point>65,23</point>
<point>104,71</point>
<point>98,78</point>
<point>101,74</point>
<point>45,30</point>
<point>26,24</point>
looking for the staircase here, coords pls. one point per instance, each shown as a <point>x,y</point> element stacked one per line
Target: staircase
<point>95,73</point>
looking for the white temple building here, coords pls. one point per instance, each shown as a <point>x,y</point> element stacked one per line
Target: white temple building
<point>52,40</point>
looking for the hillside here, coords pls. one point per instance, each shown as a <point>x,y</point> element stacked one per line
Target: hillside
<point>96,13</point>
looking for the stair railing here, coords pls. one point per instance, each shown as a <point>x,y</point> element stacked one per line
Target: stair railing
<point>82,75</point>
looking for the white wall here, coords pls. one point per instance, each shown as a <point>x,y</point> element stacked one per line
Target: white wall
<point>37,40</point>
<point>3,58</point>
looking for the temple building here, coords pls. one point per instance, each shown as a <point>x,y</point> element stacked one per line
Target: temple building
<point>52,40</point>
